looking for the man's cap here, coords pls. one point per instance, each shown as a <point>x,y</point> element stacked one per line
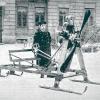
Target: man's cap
<point>43,22</point>
<point>39,23</point>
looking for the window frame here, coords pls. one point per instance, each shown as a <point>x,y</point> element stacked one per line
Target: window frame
<point>39,14</point>
<point>22,19</point>
<point>63,15</point>
<point>39,1</point>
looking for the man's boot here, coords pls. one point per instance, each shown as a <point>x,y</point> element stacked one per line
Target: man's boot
<point>12,72</point>
<point>42,76</point>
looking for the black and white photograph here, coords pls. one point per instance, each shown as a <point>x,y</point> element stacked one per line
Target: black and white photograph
<point>49,49</point>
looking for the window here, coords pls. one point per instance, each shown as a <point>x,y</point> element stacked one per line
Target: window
<point>62,14</point>
<point>40,0</point>
<point>39,15</point>
<point>37,0</point>
<point>0,11</point>
<point>22,17</point>
<point>91,20</point>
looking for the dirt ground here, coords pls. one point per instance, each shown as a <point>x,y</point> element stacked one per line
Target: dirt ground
<point>27,87</point>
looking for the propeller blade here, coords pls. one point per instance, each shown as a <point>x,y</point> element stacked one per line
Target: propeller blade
<point>68,60</point>
<point>86,16</point>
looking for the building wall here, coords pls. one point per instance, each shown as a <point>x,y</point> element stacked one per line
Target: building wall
<point>8,34</point>
<point>98,12</point>
<point>31,18</point>
<point>76,9</point>
<point>31,28</point>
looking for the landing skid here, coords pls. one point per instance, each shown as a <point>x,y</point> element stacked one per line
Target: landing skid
<point>3,75</point>
<point>15,74</point>
<point>63,90</point>
<point>86,81</point>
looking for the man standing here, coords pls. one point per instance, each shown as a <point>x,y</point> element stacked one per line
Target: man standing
<point>43,39</point>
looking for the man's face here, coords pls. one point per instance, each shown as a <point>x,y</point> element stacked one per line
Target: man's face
<point>43,27</point>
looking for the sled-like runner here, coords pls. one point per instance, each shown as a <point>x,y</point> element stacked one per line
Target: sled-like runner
<point>64,90</point>
<point>86,81</point>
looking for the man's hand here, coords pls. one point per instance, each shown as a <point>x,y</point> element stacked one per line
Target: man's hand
<point>35,48</point>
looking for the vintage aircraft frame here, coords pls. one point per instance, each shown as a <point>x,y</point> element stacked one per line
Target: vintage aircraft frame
<point>51,70</point>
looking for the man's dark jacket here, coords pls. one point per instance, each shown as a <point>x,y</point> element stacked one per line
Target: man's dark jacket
<point>44,41</point>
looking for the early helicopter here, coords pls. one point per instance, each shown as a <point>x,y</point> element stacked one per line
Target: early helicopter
<point>54,69</point>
